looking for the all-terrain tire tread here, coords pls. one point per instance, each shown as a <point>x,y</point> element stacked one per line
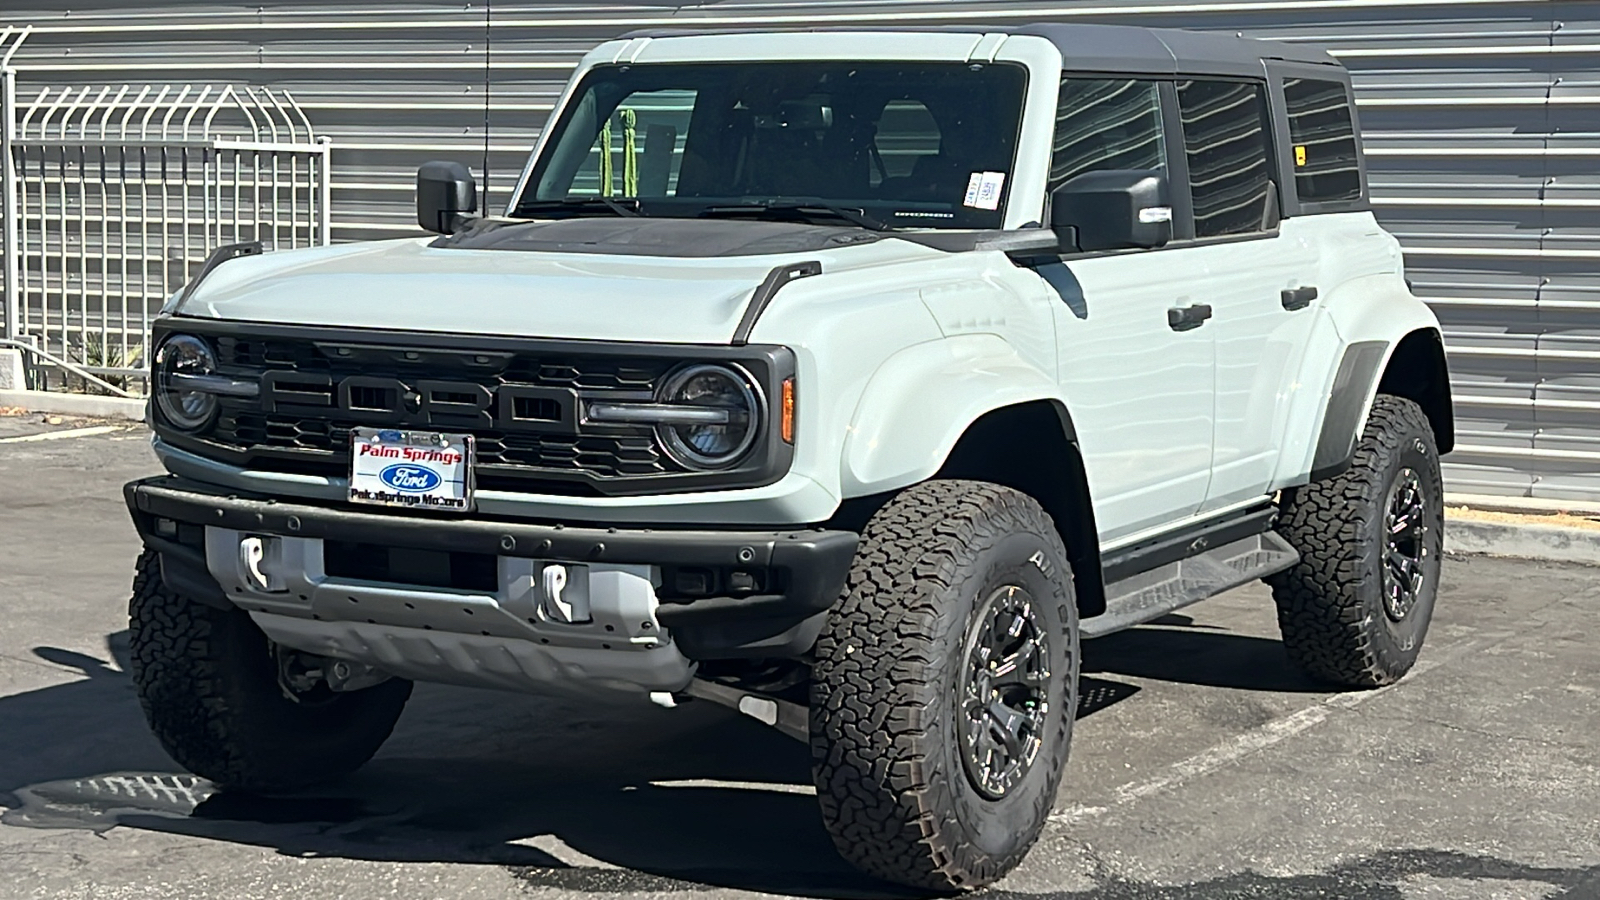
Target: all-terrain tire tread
<point>176,676</point>
<point>876,686</point>
<point>190,685</point>
<point>1322,614</point>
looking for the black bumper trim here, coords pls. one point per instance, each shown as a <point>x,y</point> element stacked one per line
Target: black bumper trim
<point>814,561</point>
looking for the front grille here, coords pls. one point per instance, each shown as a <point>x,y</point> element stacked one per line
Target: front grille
<point>521,399</point>
<point>311,433</point>
<point>603,456</point>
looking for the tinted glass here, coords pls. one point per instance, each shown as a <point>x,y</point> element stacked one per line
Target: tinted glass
<point>1106,123</point>
<point>639,148</point>
<point>906,136</point>
<point>1230,171</point>
<point>909,144</point>
<point>1326,166</point>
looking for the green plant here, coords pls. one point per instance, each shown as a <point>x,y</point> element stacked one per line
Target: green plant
<point>100,353</point>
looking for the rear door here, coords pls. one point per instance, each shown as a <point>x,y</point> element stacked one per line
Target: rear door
<point>1260,277</point>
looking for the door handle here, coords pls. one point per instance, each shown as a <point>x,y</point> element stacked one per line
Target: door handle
<point>1298,298</point>
<point>1183,318</point>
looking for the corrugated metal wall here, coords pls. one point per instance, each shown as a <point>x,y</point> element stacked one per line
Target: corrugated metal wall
<point>1482,122</point>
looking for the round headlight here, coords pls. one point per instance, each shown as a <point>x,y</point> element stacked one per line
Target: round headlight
<point>181,355</point>
<point>711,445</point>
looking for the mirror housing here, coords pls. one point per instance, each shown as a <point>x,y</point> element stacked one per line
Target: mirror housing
<point>1113,209</point>
<point>445,191</point>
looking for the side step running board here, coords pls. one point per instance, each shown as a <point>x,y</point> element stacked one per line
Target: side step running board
<point>1150,595</point>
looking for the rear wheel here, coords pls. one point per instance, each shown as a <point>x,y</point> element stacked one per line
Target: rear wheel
<point>1356,608</point>
<point>945,686</point>
<point>229,706</point>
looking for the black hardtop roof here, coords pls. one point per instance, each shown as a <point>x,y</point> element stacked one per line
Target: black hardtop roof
<point>1103,48</point>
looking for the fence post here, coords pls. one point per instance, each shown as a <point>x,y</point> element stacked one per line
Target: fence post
<point>325,192</point>
<point>8,192</point>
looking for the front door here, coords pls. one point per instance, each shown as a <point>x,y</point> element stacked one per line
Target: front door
<point>1140,390</point>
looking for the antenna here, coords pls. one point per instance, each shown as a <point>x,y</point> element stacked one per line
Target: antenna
<point>488,11</point>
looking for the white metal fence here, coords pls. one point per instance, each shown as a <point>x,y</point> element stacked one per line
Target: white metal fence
<point>114,195</point>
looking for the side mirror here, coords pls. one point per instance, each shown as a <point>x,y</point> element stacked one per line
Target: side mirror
<point>445,190</point>
<point>1114,209</point>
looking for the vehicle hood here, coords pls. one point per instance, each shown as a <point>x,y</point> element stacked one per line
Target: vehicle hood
<point>669,281</point>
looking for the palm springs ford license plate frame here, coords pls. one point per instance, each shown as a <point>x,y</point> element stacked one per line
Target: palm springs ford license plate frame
<point>411,469</point>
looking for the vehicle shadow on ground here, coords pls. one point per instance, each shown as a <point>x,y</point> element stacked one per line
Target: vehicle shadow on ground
<point>1173,648</point>
<point>580,797</point>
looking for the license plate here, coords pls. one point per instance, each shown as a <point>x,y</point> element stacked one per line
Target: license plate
<point>415,469</point>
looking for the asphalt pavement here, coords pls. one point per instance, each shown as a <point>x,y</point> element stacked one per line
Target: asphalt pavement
<point>1203,766</point>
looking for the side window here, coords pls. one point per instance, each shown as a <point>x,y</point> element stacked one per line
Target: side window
<point>1326,167</point>
<point>639,148</point>
<point>1106,123</point>
<point>1230,169</point>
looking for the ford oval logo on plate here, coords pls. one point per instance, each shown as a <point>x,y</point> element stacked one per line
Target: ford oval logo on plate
<point>408,479</point>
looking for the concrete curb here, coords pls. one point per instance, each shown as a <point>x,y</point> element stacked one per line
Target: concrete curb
<point>1547,542</point>
<point>75,404</point>
<point>1522,505</point>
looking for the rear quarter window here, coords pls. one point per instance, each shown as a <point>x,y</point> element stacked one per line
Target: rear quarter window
<point>1322,136</point>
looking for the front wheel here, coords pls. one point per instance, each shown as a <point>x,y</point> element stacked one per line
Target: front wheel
<point>1355,609</point>
<point>214,692</point>
<point>945,686</point>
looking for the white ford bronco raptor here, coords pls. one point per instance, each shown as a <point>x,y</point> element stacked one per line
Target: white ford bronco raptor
<point>845,378</point>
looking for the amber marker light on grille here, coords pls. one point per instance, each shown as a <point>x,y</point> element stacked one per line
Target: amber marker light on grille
<point>786,421</point>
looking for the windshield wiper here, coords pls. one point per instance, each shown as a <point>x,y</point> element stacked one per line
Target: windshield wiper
<point>625,208</point>
<point>804,208</point>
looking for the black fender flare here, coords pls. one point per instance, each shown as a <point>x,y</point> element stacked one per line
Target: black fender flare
<point>1414,367</point>
<point>1353,386</point>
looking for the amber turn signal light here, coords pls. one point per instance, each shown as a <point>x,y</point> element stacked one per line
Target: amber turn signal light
<point>786,419</point>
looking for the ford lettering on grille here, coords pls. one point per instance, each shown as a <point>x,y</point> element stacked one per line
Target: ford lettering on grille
<point>424,402</point>
<point>409,479</point>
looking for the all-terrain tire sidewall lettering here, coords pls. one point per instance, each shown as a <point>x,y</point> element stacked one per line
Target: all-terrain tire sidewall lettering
<point>890,674</point>
<point>207,681</point>
<point>1330,605</point>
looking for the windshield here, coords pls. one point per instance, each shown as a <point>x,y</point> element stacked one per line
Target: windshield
<point>874,144</point>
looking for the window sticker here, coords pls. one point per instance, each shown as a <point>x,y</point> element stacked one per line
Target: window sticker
<point>983,190</point>
<point>973,184</point>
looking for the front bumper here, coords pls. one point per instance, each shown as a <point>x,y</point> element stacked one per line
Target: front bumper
<point>639,635</point>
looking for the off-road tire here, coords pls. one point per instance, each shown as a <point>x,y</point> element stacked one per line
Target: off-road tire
<point>1331,609</point>
<point>208,682</point>
<point>890,666</point>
